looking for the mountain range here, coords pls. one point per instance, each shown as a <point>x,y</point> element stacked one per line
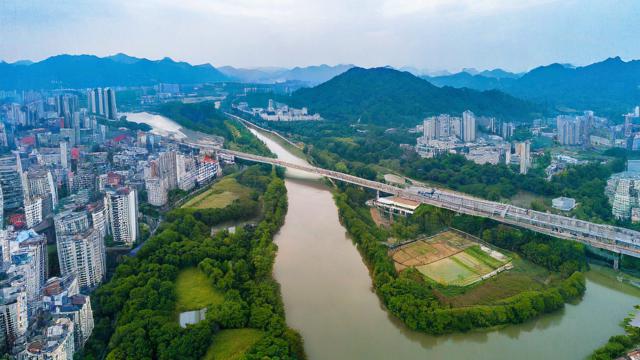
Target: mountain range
<point>309,75</point>
<point>390,97</point>
<point>610,87</point>
<point>83,71</point>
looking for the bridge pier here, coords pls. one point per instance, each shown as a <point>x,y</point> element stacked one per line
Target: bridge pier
<point>616,262</point>
<point>598,235</point>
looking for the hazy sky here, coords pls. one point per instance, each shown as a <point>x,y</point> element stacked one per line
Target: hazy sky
<point>432,34</point>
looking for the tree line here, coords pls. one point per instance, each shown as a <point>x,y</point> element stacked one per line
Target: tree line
<point>412,300</point>
<point>135,316</point>
<point>361,150</point>
<point>618,345</point>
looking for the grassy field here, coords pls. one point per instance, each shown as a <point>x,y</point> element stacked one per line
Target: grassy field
<point>195,291</point>
<point>221,194</point>
<point>232,344</point>
<point>523,277</point>
<point>479,254</point>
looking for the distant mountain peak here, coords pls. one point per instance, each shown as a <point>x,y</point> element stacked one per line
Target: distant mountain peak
<point>83,71</point>
<point>124,58</point>
<point>384,95</point>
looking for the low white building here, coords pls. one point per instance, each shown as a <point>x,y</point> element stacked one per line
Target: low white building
<point>563,203</point>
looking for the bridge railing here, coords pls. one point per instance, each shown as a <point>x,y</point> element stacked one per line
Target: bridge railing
<point>604,236</point>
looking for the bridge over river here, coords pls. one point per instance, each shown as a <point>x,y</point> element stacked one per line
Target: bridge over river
<point>616,239</point>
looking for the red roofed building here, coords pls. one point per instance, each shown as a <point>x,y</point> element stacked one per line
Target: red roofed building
<point>28,140</point>
<point>119,138</point>
<point>18,221</point>
<point>75,153</point>
<point>207,169</point>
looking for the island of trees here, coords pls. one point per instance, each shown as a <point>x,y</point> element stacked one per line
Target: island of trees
<point>425,306</point>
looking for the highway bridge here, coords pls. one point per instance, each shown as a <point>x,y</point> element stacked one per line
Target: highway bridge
<point>616,239</point>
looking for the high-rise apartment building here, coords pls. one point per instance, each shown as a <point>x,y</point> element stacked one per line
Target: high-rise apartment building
<point>524,151</point>
<point>39,182</point>
<point>167,162</point>
<point>122,207</point>
<point>33,211</point>
<point>83,254</point>
<point>14,319</point>
<point>69,222</point>
<point>10,182</point>
<point>110,109</point>
<point>574,130</point>
<point>156,191</point>
<point>102,102</point>
<point>468,126</point>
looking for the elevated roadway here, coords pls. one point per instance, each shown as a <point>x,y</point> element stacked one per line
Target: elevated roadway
<point>616,239</point>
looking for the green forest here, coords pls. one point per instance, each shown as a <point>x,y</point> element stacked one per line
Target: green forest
<point>394,98</point>
<point>204,117</point>
<point>413,300</point>
<point>135,312</point>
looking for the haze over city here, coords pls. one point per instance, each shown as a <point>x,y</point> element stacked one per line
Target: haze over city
<point>429,35</point>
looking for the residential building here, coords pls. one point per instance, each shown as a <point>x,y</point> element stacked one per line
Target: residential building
<point>33,211</point>
<point>468,126</point>
<point>122,207</point>
<point>10,182</point>
<point>523,150</point>
<point>61,298</point>
<point>167,162</point>
<point>157,194</point>
<point>14,319</point>
<point>56,343</point>
<point>83,254</point>
<point>207,169</point>
<point>71,221</point>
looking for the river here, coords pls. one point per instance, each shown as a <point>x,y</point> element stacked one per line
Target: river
<point>328,297</point>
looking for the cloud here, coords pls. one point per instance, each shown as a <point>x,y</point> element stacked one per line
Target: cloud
<point>434,34</point>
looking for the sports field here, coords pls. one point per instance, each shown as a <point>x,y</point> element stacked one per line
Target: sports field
<point>450,258</point>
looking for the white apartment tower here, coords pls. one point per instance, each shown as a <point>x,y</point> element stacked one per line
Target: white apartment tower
<point>122,207</point>
<point>167,162</point>
<point>156,191</point>
<point>524,150</point>
<point>83,254</point>
<point>468,126</point>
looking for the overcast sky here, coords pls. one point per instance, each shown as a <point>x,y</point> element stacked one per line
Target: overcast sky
<point>430,34</point>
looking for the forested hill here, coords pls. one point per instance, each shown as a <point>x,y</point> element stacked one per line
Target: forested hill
<point>389,97</point>
<point>83,71</point>
<point>610,87</point>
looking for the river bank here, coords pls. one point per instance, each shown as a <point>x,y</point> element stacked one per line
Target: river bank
<point>328,297</point>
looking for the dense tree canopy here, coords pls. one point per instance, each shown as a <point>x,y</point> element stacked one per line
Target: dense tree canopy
<point>412,299</point>
<point>135,311</point>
